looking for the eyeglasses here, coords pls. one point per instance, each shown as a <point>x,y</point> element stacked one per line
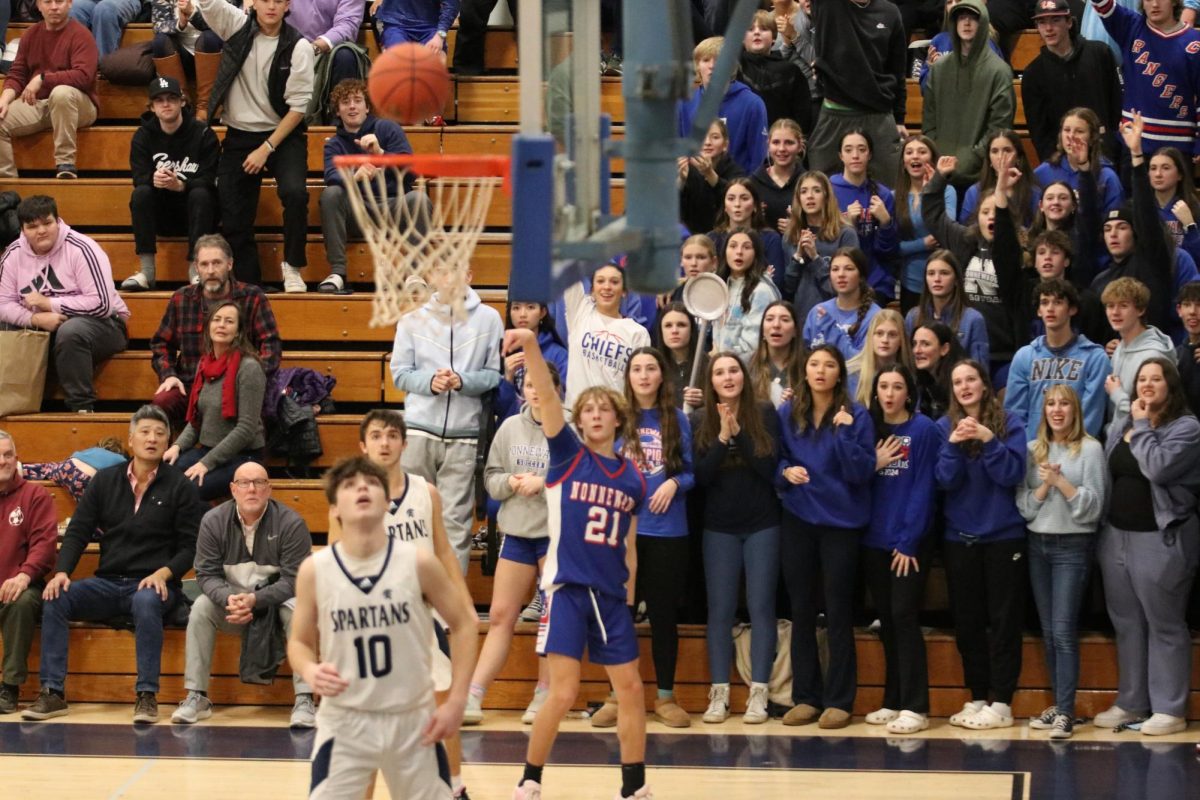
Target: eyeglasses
<point>257,483</point>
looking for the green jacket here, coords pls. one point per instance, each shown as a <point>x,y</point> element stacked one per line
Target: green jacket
<point>967,97</point>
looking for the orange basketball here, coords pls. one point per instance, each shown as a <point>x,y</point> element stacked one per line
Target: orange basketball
<point>408,83</point>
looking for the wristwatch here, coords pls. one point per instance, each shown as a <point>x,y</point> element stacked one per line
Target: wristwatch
<point>442,34</point>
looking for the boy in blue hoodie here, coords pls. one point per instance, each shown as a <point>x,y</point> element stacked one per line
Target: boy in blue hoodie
<point>1058,356</point>
<point>744,112</point>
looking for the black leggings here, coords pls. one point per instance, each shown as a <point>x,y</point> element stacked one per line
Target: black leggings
<point>662,569</point>
<point>897,600</point>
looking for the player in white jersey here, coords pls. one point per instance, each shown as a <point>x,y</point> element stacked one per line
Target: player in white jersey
<point>360,637</point>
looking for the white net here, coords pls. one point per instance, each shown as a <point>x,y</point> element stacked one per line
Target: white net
<point>421,240</point>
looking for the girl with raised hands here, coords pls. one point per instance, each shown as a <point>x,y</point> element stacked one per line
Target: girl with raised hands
<point>1175,195</point>
<point>703,178</point>
<point>944,300</point>
<point>735,437</point>
<point>916,239</point>
<point>599,338</point>
<point>887,346</point>
<point>843,320</point>
<point>1080,150</point>
<point>778,364</point>
<point>1003,147</point>
<point>980,463</point>
<point>991,290</point>
<point>827,459</point>
<point>815,231</point>
<point>594,494</point>
<point>1062,499</point>
<point>896,548</point>
<point>743,267</point>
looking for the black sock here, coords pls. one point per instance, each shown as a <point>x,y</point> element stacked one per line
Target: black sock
<point>633,777</point>
<point>532,773</point>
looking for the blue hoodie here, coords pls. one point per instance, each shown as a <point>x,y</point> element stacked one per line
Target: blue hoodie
<point>342,143</point>
<point>745,115</point>
<point>511,398</point>
<point>904,491</point>
<point>981,492</point>
<point>673,522</point>
<point>430,339</point>
<point>1081,364</point>
<point>840,461</point>
<point>881,244</point>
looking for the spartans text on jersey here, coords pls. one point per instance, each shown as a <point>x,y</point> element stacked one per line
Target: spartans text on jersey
<point>362,618</point>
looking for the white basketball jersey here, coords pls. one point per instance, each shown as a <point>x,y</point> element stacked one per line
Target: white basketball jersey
<point>376,630</point>
<point>410,516</point>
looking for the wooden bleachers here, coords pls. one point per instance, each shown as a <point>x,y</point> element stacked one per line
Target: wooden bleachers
<point>329,333</point>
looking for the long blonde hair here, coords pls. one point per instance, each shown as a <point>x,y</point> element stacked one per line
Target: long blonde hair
<point>831,224</point>
<point>1075,435</point>
<point>867,366</point>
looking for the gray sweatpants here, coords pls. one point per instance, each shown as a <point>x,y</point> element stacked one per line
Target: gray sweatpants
<point>1147,578</point>
<point>449,464</point>
<point>203,623</point>
<point>77,347</point>
<point>337,222</point>
<point>826,142</point>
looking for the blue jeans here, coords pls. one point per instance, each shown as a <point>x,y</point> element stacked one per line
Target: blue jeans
<point>1059,564</point>
<point>97,599</point>
<point>106,19</point>
<point>724,554</point>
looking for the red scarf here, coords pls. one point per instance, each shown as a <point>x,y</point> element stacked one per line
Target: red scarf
<point>212,368</point>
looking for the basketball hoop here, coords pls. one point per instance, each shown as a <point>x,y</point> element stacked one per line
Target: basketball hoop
<point>422,243</point>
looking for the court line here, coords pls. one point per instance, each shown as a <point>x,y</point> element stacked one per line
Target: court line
<point>128,784</point>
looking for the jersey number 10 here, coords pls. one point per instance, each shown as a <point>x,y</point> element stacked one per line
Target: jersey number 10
<point>374,656</point>
<point>598,530</point>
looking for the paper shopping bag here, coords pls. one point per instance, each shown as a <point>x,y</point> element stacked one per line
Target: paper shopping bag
<point>23,357</point>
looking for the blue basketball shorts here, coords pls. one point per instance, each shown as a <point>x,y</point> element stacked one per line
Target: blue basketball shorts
<point>576,617</point>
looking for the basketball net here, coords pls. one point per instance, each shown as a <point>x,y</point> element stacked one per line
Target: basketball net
<point>422,241</point>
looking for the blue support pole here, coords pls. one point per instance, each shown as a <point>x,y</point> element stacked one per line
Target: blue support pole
<point>533,226</point>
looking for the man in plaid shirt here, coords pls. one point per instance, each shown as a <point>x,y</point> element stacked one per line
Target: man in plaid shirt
<point>177,344</point>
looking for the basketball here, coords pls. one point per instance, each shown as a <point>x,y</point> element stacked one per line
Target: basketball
<point>408,83</point>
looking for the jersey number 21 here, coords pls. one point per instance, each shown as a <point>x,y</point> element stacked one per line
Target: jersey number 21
<point>598,530</point>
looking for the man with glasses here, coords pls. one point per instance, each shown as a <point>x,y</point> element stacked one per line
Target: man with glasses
<point>247,554</point>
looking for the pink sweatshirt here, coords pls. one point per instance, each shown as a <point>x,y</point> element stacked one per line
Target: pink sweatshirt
<point>75,275</point>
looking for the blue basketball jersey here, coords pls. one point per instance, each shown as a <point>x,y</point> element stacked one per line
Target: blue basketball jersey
<point>591,502</point>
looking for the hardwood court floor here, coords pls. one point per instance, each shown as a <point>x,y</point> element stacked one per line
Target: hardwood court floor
<point>246,752</point>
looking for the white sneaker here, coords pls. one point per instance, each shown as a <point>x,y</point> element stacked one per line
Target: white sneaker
<point>293,283</point>
<point>641,794</point>
<point>756,706</point>
<point>1163,725</point>
<point>969,709</point>
<point>194,708</point>
<point>718,704</point>
<point>881,717</point>
<point>529,790</point>
<point>908,722</point>
<point>1115,717</point>
<point>137,282</point>
<point>535,705</point>
<point>533,611</point>
<point>473,713</point>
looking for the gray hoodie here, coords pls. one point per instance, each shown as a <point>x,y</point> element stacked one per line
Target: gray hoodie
<point>1169,457</point>
<point>1125,362</point>
<point>518,446</point>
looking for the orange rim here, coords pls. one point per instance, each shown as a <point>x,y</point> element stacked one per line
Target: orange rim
<point>436,166</point>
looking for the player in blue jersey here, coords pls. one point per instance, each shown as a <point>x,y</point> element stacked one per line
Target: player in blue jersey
<point>593,497</point>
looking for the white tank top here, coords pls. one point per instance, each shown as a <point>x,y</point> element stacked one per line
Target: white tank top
<point>410,516</point>
<point>376,630</point>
